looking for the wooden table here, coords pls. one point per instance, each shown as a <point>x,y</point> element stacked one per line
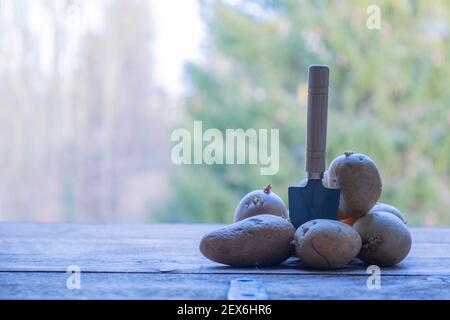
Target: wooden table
<point>157,261</point>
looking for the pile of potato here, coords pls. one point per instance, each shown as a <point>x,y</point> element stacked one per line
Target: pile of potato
<point>262,234</point>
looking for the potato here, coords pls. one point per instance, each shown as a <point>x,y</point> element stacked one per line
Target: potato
<point>380,206</point>
<point>326,179</point>
<point>326,244</point>
<point>262,240</point>
<point>358,177</point>
<point>385,239</point>
<point>260,202</point>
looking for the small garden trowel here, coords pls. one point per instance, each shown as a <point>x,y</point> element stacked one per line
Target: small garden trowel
<point>313,200</point>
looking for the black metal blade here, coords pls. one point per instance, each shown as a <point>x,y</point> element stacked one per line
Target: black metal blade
<point>312,201</point>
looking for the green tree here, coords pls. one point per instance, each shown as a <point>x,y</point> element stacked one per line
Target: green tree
<point>388,98</point>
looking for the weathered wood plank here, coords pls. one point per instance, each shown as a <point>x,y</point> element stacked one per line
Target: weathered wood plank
<point>104,231</point>
<point>410,266</point>
<point>163,262</point>
<point>14,230</point>
<point>167,248</point>
<point>148,247</point>
<point>48,285</point>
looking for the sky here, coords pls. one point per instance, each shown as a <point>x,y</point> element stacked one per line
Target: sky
<point>178,36</point>
<point>177,30</point>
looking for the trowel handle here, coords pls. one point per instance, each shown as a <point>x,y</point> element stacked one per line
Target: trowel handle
<point>316,136</point>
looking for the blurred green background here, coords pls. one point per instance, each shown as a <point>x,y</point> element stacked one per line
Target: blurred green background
<point>85,126</point>
<point>389,98</point>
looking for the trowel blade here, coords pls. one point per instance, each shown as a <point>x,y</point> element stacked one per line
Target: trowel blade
<point>312,201</point>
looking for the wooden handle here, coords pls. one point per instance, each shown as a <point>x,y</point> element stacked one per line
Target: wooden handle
<point>316,137</point>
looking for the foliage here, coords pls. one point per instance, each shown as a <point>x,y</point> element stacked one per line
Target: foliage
<point>388,97</point>
<point>77,101</point>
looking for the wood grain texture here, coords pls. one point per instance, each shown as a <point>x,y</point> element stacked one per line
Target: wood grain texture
<point>317,117</point>
<point>161,261</point>
<point>52,285</point>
